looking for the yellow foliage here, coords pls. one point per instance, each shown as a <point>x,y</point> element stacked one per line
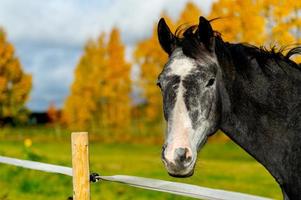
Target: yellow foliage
<point>240,21</point>
<point>189,15</point>
<point>119,81</point>
<point>15,85</point>
<point>100,93</point>
<point>286,16</point>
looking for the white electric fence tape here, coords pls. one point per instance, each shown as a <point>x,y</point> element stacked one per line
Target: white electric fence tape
<point>37,165</point>
<point>180,188</point>
<point>146,183</point>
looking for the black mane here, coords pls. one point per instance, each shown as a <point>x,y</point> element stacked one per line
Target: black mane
<point>245,52</point>
<point>241,53</point>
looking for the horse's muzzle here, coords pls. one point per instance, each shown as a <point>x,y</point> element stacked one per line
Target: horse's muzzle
<point>180,164</point>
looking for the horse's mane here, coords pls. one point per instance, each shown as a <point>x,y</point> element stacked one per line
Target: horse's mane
<point>264,56</point>
<point>187,38</point>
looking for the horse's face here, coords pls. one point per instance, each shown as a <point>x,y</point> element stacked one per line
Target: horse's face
<point>190,100</point>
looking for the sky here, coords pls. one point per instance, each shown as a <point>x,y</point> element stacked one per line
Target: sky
<point>49,35</point>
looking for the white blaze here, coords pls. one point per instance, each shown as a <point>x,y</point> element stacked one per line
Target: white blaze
<point>179,125</point>
<point>181,65</point>
<point>180,131</point>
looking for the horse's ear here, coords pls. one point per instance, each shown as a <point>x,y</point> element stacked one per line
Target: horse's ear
<point>206,34</point>
<point>166,39</point>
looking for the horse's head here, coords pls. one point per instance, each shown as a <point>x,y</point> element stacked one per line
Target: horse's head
<point>188,84</point>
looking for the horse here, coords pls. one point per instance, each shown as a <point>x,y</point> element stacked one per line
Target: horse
<point>250,93</point>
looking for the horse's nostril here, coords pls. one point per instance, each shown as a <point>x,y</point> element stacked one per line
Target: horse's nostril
<point>188,159</point>
<point>182,155</point>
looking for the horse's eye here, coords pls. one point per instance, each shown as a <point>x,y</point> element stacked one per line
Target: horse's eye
<point>210,82</point>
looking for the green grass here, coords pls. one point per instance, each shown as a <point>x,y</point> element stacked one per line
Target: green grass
<point>220,165</point>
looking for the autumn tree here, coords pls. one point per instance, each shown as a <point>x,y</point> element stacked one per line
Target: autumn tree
<point>80,105</point>
<point>118,82</point>
<point>52,113</point>
<point>189,15</point>
<point>284,22</point>
<point>239,21</point>
<point>261,22</point>
<point>100,93</point>
<point>15,84</point>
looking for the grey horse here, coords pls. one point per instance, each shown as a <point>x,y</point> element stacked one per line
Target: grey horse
<point>251,94</point>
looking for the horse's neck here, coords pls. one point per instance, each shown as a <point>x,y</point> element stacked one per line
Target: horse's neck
<point>258,116</point>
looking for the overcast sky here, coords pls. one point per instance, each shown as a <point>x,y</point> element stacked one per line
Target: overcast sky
<point>49,35</point>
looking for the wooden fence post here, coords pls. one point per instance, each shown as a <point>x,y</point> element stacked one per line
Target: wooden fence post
<point>80,166</point>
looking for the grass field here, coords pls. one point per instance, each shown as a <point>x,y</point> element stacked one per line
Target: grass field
<point>221,165</point>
